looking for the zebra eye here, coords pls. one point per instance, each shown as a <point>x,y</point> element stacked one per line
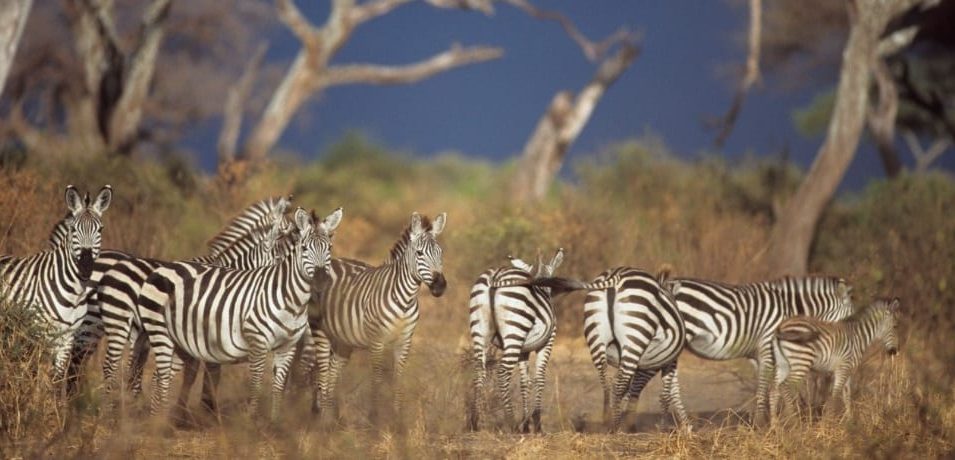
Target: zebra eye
<point>419,252</point>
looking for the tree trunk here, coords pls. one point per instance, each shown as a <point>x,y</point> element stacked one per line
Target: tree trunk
<point>792,237</point>
<point>882,118</point>
<point>13,18</point>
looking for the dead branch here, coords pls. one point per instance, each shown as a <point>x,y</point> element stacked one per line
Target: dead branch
<point>925,158</point>
<point>751,76</point>
<point>560,126</point>
<point>881,117</point>
<point>594,51</point>
<point>235,106</point>
<point>395,75</point>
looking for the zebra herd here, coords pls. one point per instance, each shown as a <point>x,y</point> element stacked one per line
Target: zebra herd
<point>269,285</point>
<point>640,323</point>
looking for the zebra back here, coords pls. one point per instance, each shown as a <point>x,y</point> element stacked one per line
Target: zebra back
<point>257,216</point>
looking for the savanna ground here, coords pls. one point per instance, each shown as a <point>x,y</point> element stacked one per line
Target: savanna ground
<point>634,204</point>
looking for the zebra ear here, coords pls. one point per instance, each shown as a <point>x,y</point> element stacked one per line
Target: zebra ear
<point>331,222</point>
<point>303,220</point>
<point>437,226</point>
<point>895,304</point>
<point>844,289</point>
<point>557,260</point>
<point>74,202</point>
<point>103,199</point>
<point>416,223</point>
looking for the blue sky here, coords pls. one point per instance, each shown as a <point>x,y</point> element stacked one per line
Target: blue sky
<point>488,110</point>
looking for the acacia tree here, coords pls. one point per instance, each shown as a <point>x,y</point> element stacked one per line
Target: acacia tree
<point>310,73</point>
<point>793,233</point>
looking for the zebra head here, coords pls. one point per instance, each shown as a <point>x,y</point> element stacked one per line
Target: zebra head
<point>890,324</point>
<point>86,226</point>
<point>843,307</point>
<point>313,247</point>
<point>426,264</point>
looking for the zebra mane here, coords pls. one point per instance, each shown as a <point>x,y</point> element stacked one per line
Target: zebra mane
<point>822,282</point>
<point>255,216</point>
<point>399,248</point>
<point>61,230</point>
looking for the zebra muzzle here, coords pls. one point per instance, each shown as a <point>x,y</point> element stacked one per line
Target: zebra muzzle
<point>438,285</point>
<point>85,264</point>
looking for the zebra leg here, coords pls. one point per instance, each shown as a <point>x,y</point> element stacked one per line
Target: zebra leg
<point>210,388</point>
<point>477,403</point>
<point>621,387</point>
<point>509,358</point>
<point>671,399</point>
<point>839,381</point>
<point>401,352</point>
<point>281,363</point>
<point>540,378</point>
<point>637,383</point>
<point>190,370</point>
<point>258,353</point>
<point>137,364</point>
<point>377,351</point>
<point>321,355</point>
<point>525,385</point>
<point>766,371</point>
<point>84,345</point>
<point>336,364</point>
<point>847,398</point>
<point>600,363</point>
<point>117,336</point>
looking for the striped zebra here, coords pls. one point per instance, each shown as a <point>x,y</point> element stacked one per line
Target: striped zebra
<point>517,320</point>
<point>358,306</point>
<point>256,237</point>
<point>234,240</point>
<point>53,280</point>
<point>805,343</point>
<point>221,315</point>
<point>725,321</point>
<point>631,322</point>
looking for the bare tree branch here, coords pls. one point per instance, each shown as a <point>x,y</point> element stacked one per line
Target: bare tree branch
<point>373,9</point>
<point>560,126</point>
<point>293,18</point>
<point>925,158</point>
<point>235,106</point>
<point>395,75</point>
<point>594,51</point>
<point>881,117</point>
<point>13,19</point>
<point>751,76</point>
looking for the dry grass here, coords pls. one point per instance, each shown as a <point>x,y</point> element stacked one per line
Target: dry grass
<point>637,206</point>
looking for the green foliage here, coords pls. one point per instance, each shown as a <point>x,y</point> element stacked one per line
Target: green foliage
<point>812,120</point>
<point>25,358</point>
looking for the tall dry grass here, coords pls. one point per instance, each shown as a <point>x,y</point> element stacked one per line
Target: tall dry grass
<point>634,204</point>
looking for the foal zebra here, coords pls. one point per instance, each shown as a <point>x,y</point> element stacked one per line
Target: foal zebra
<point>53,280</point>
<point>518,320</point>
<point>358,306</point>
<point>805,343</point>
<point>631,321</point>
<point>221,315</point>
<point>725,321</point>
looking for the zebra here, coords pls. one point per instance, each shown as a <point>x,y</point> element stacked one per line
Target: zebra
<point>230,240</point>
<point>804,343</point>
<point>261,225</point>
<point>631,322</point>
<point>222,315</point>
<point>53,280</point>
<point>518,320</point>
<point>725,321</point>
<point>358,306</point>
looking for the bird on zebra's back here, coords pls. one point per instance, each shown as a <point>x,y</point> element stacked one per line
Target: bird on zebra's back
<point>53,280</point>
<point>631,322</point>
<point>363,307</point>
<point>518,320</point>
<point>727,321</point>
<point>805,343</point>
<point>259,246</point>
<point>222,315</point>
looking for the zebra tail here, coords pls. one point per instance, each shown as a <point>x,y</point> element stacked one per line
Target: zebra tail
<point>560,285</point>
